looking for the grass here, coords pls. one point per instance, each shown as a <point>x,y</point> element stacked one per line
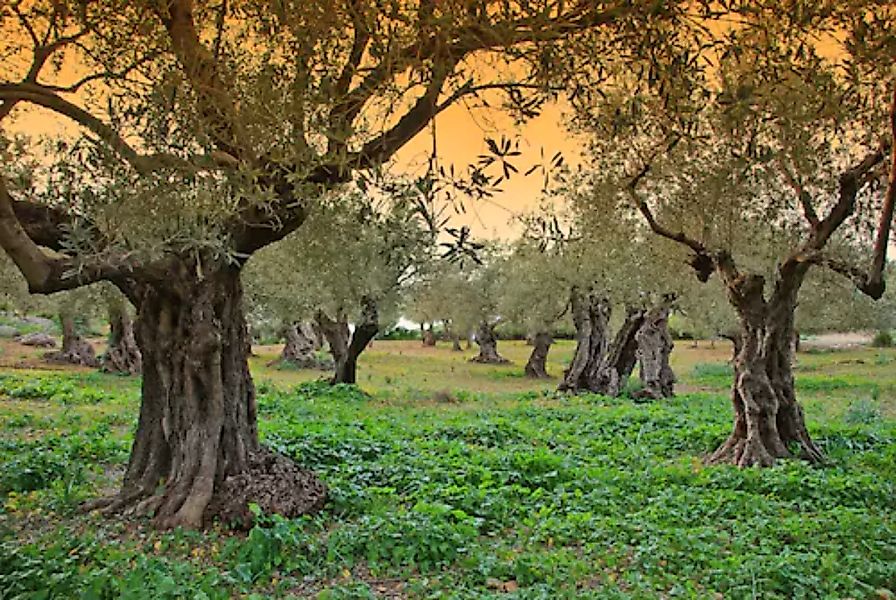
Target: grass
<point>454,480</point>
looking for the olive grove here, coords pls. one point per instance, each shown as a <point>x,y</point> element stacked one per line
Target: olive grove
<point>192,134</point>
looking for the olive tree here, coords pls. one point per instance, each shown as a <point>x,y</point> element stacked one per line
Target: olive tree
<point>348,264</point>
<point>783,163</point>
<point>533,298</point>
<point>591,273</point>
<point>441,293</point>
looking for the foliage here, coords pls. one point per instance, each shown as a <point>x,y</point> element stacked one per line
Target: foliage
<point>348,250</point>
<point>882,339</point>
<point>47,387</point>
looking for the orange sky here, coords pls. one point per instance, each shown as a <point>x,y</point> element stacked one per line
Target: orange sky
<point>461,138</point>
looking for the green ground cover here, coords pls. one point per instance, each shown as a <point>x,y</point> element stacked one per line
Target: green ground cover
<point>452,480</point>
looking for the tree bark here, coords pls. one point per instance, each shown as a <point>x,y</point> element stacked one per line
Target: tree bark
<point>197,429</point>
<point>75,349</point>
<point>337,334</point>
<point>455,339</point>
<point>346,347</point>
<point>122,353</point>
<point>591,317</point>
<point>299,351</point>
<point>488,345</point>
<point>621,358</point>
<point>536,367</point>
<point>768,420</point>
<point>598,365</point>
<point>654,348</point>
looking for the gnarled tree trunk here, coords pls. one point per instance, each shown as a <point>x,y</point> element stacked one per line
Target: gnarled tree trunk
<point>536,366</point>
<point>488,345</point>
<point>455,339</point>
<point>768,421</point>
<point>122,353</point>
<point>75,349</point>
<point>598,365</point>
<point>299,351</point>
<point>591,317</point>
<point>197,430</point>
<point>620,360</point>
<point>337,334</point>
<point>347,347</point>
<point>654,348</point>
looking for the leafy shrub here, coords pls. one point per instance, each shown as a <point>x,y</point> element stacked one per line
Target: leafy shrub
<point>882,339</point>
<point>35,465</point>
<point>400,333</point>
<point>862,412</point>
<point>426,537</point>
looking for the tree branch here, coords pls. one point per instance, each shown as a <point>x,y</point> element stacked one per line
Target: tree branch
<point>702,262</point>
<point>470,39</point>
<point>870,282</point>
<point>804,197</point>
<point>359,45</point>
<point>851,182</point>
<point>45,274</point>
<point>202,71</point>
<point>44,225</point>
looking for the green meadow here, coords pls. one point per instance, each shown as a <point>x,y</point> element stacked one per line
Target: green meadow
<point>456,480</point>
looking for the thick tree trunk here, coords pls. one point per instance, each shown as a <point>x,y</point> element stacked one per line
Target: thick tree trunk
<point>299,351</point>
<point>122,353</point>
<point>600,366</point>
<point>75,349</point>
<point>736,343</point>
<point>654,348</point>
<point>768,421</point>
<point>346,347</point>
<point>591,317</point>
<point>536,366</point>
<point>620,360</point>
<point>197,430</point>
<point>488,345</point>
<point>312,331</point>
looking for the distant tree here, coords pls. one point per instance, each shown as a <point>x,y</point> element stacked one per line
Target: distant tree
<point>595,272</point>
<point>348,264</point>
<point>831,303</point>
<point>486,282</point>
<point>122,353</point>
<point>532,297</point>
<point>441,294</point>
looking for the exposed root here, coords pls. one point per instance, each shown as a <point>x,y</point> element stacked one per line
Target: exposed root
<point>272,481</point>
<point>79,352</point>
<point>275,483</point>
<point>123,502</point>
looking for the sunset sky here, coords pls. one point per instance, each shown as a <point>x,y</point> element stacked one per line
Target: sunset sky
<point>461,137</point>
